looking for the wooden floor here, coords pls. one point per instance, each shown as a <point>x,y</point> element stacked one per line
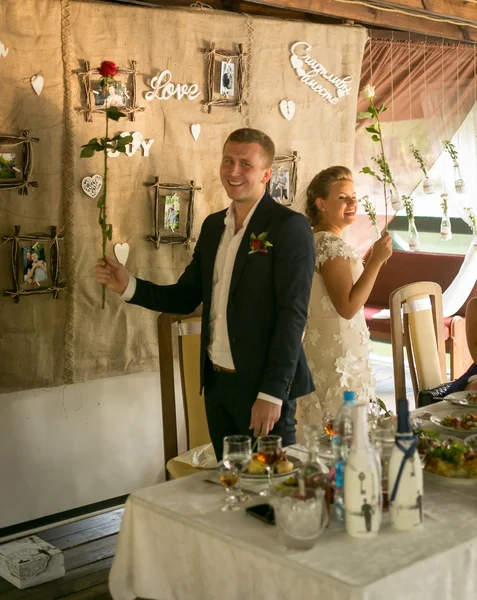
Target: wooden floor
<point>88,546</point>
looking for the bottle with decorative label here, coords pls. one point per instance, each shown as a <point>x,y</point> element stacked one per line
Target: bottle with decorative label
<point>405,475</point>
<point>459,183</point>
<point>427,185</point>
<point>362,481</point>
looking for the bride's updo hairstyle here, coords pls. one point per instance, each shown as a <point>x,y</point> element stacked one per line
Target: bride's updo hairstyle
<point>320,188</point>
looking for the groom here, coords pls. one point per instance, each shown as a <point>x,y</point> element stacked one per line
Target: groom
<point>252,269</point>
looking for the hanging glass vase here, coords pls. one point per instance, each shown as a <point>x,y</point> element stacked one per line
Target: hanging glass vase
<point>458,181</point>
<point>427,185</point>
<point>474,237</point>
<point>413,236</point>
<point>446,230</point>
<point>376,233</point>
<point>396,201</point>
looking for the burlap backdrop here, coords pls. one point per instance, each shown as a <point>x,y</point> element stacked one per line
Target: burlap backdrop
<point>122,339</point>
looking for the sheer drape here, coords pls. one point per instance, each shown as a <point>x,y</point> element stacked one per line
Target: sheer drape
<point>430,89</point>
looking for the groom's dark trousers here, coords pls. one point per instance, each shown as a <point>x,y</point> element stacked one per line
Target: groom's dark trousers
<point>266,316</point>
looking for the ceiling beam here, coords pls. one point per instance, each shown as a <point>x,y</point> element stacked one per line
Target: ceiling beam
<point>379,15</point>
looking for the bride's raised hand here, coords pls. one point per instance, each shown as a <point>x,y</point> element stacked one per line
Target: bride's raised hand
<point>382,249</point>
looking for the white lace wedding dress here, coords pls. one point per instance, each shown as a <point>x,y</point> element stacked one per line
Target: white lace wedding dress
<point>337,349</point>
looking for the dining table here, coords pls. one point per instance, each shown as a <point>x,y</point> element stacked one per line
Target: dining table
<point>176,544</point>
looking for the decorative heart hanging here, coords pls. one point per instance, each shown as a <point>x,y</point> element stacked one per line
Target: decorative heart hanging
<point>92,185</point>
<point>37,83</point>
<point>195,130</point>
<point>287,108</point>
<point>121,251</point>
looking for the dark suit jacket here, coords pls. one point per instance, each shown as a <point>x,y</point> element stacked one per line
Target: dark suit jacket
<point>268,300</point>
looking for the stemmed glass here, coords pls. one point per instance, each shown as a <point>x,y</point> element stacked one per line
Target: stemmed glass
<point>229,478</point>
<point>237,454</point>
<point>269,453</point>
<point>328,422</point>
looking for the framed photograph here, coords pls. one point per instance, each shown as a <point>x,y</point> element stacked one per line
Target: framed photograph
<point>9,171</point>
<point>16,162</point>
<point>283,182</point>
<point>97,94</point>
<point>173,212</point>
<point>225,77</point>
<point>34,266</point>
<point>35,263</point>
<point>111,94</point>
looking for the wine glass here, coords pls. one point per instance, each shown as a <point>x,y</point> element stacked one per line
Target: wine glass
<point>229,478</point>
<point>269,453</point>
<point>237,455</point>
<point>328,422</point>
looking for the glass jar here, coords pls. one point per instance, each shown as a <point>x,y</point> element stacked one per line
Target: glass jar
<point>413,236</point>
<point>458,181</point>
<point>446,229</point>
<point>395,196</point>
<point>376,233</point>
<point>427,185</point>
<point>315,473</point>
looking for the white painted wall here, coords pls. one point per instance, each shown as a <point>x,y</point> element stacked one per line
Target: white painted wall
<point>65,447</point>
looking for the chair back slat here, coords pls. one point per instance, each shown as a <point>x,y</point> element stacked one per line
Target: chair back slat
<point>418,325</point>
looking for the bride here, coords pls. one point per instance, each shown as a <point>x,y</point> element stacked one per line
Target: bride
<point>337,338</point>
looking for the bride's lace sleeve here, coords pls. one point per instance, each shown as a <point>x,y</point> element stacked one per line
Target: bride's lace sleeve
<point>330,246</point>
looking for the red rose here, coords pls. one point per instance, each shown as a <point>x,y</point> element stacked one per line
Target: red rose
<point>108,68</point>
<point>256,244</point>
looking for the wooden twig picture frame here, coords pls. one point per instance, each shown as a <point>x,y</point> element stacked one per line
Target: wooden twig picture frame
<point>35,261</point>
<point>225,87</point>
<point>16,162</point>
<point>172,224</point>
<point>283,182</point>
<point>95,100</point>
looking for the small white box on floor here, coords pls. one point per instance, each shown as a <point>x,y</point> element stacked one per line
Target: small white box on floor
<point>30,561</point>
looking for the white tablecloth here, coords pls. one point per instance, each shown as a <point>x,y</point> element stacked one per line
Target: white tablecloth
<point>176,544</point>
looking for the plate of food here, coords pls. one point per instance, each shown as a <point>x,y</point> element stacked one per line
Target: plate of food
<point>471,441</point>
<point>457,421</point>
<point>428,438</point>
<point>452,460</point>
<point>468,398</point>
<point>287,466</point>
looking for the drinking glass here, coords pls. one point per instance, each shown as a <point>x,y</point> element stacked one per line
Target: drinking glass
<point>236,456</point>
<point>229,478</point>
<point>269,453</point>
<point>328,422</point>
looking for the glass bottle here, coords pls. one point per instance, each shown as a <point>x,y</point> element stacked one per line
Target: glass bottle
<point>427,185</point>
<point>362,481</point>
<point>396,201</point>
<point>446,229</point>
<point>405,475</point>
<point>413,236</point>
<point>458,181</point>
<point>315,472</point>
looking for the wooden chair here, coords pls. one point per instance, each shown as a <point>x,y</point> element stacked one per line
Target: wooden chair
<point>417,323</point>
<point>179,367</point>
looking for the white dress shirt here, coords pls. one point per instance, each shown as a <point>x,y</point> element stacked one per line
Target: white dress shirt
<point>219,347</point>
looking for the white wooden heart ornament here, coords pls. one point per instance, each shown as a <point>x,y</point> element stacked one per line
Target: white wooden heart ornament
<point>37,83</point>
<point>195,130</point>
<point>121,251</point>
<point>92,185</point>
<point>287,108</point>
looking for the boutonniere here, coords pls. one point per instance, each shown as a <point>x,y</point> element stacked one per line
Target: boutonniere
<point>259,243</point>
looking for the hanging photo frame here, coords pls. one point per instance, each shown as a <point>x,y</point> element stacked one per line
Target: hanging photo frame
<point>97,96</point>
<point>173,212</point>
<point>35,261</point>
<point>16,162</point>
<point>283,182</point>
<point>225,77</point>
